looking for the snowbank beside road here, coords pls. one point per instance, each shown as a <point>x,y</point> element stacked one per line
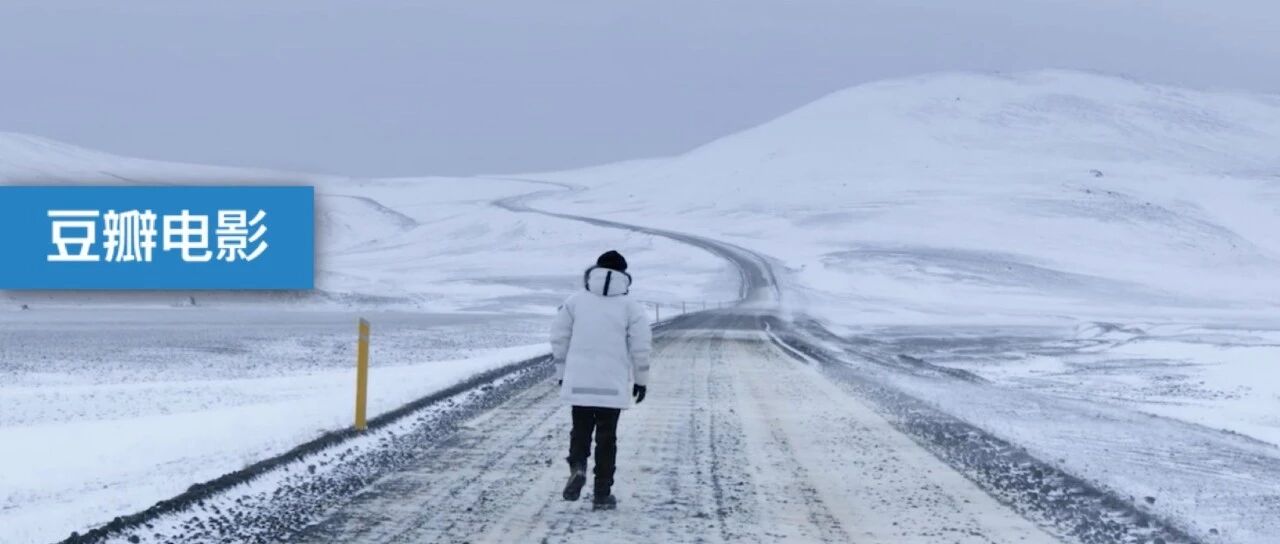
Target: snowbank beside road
<point>1219,378</point>
<point>94,442</point>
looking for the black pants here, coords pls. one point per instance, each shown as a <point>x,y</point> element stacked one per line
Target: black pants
<point>604,423</point>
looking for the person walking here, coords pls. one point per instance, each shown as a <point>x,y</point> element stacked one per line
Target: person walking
<point>600,340</point>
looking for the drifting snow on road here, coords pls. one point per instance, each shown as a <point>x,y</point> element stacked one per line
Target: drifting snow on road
<point>738,442</point>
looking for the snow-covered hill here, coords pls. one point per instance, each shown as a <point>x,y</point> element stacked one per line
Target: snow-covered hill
<point>979,197</point>
<point>413,242</point>
<point>31,159</point>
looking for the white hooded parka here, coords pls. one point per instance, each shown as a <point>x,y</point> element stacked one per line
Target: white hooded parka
<point>601,340</point>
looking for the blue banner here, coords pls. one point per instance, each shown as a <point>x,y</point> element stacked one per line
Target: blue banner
<point>157,237</point>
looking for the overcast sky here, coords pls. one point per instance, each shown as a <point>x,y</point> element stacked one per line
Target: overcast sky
<point>480,86</point>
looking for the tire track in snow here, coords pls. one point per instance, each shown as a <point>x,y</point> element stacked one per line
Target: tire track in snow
<point>435,479</point>
<point>848,472</point>
<point>785,459</point>
<point>716,390</point>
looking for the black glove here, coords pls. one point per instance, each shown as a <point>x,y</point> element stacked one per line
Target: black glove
<point>638,392</point>
<point>559,382</point>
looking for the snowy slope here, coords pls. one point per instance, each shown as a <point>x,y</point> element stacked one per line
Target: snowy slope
<point>34,160</point>
<point>988,197</point>
<point>412,243</point>
<point>441,244</point>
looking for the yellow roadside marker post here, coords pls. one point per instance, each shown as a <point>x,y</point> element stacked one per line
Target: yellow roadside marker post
<point>362,374</point>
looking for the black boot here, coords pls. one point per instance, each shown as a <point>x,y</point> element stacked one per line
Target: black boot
<point>606,502</point>
<point>577,479</point>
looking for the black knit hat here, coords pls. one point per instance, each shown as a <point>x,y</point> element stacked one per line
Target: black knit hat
<point>613,261</point>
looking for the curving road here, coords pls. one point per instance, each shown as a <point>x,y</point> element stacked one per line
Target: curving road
<point>759,286</point>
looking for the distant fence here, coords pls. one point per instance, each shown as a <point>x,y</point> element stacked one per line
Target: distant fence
<point>671,309</point>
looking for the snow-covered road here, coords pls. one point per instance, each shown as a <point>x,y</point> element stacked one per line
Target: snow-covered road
<point>737,442</point>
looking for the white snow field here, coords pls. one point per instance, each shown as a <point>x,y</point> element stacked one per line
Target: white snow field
<point>114,401</point>
<point>105,434</point>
